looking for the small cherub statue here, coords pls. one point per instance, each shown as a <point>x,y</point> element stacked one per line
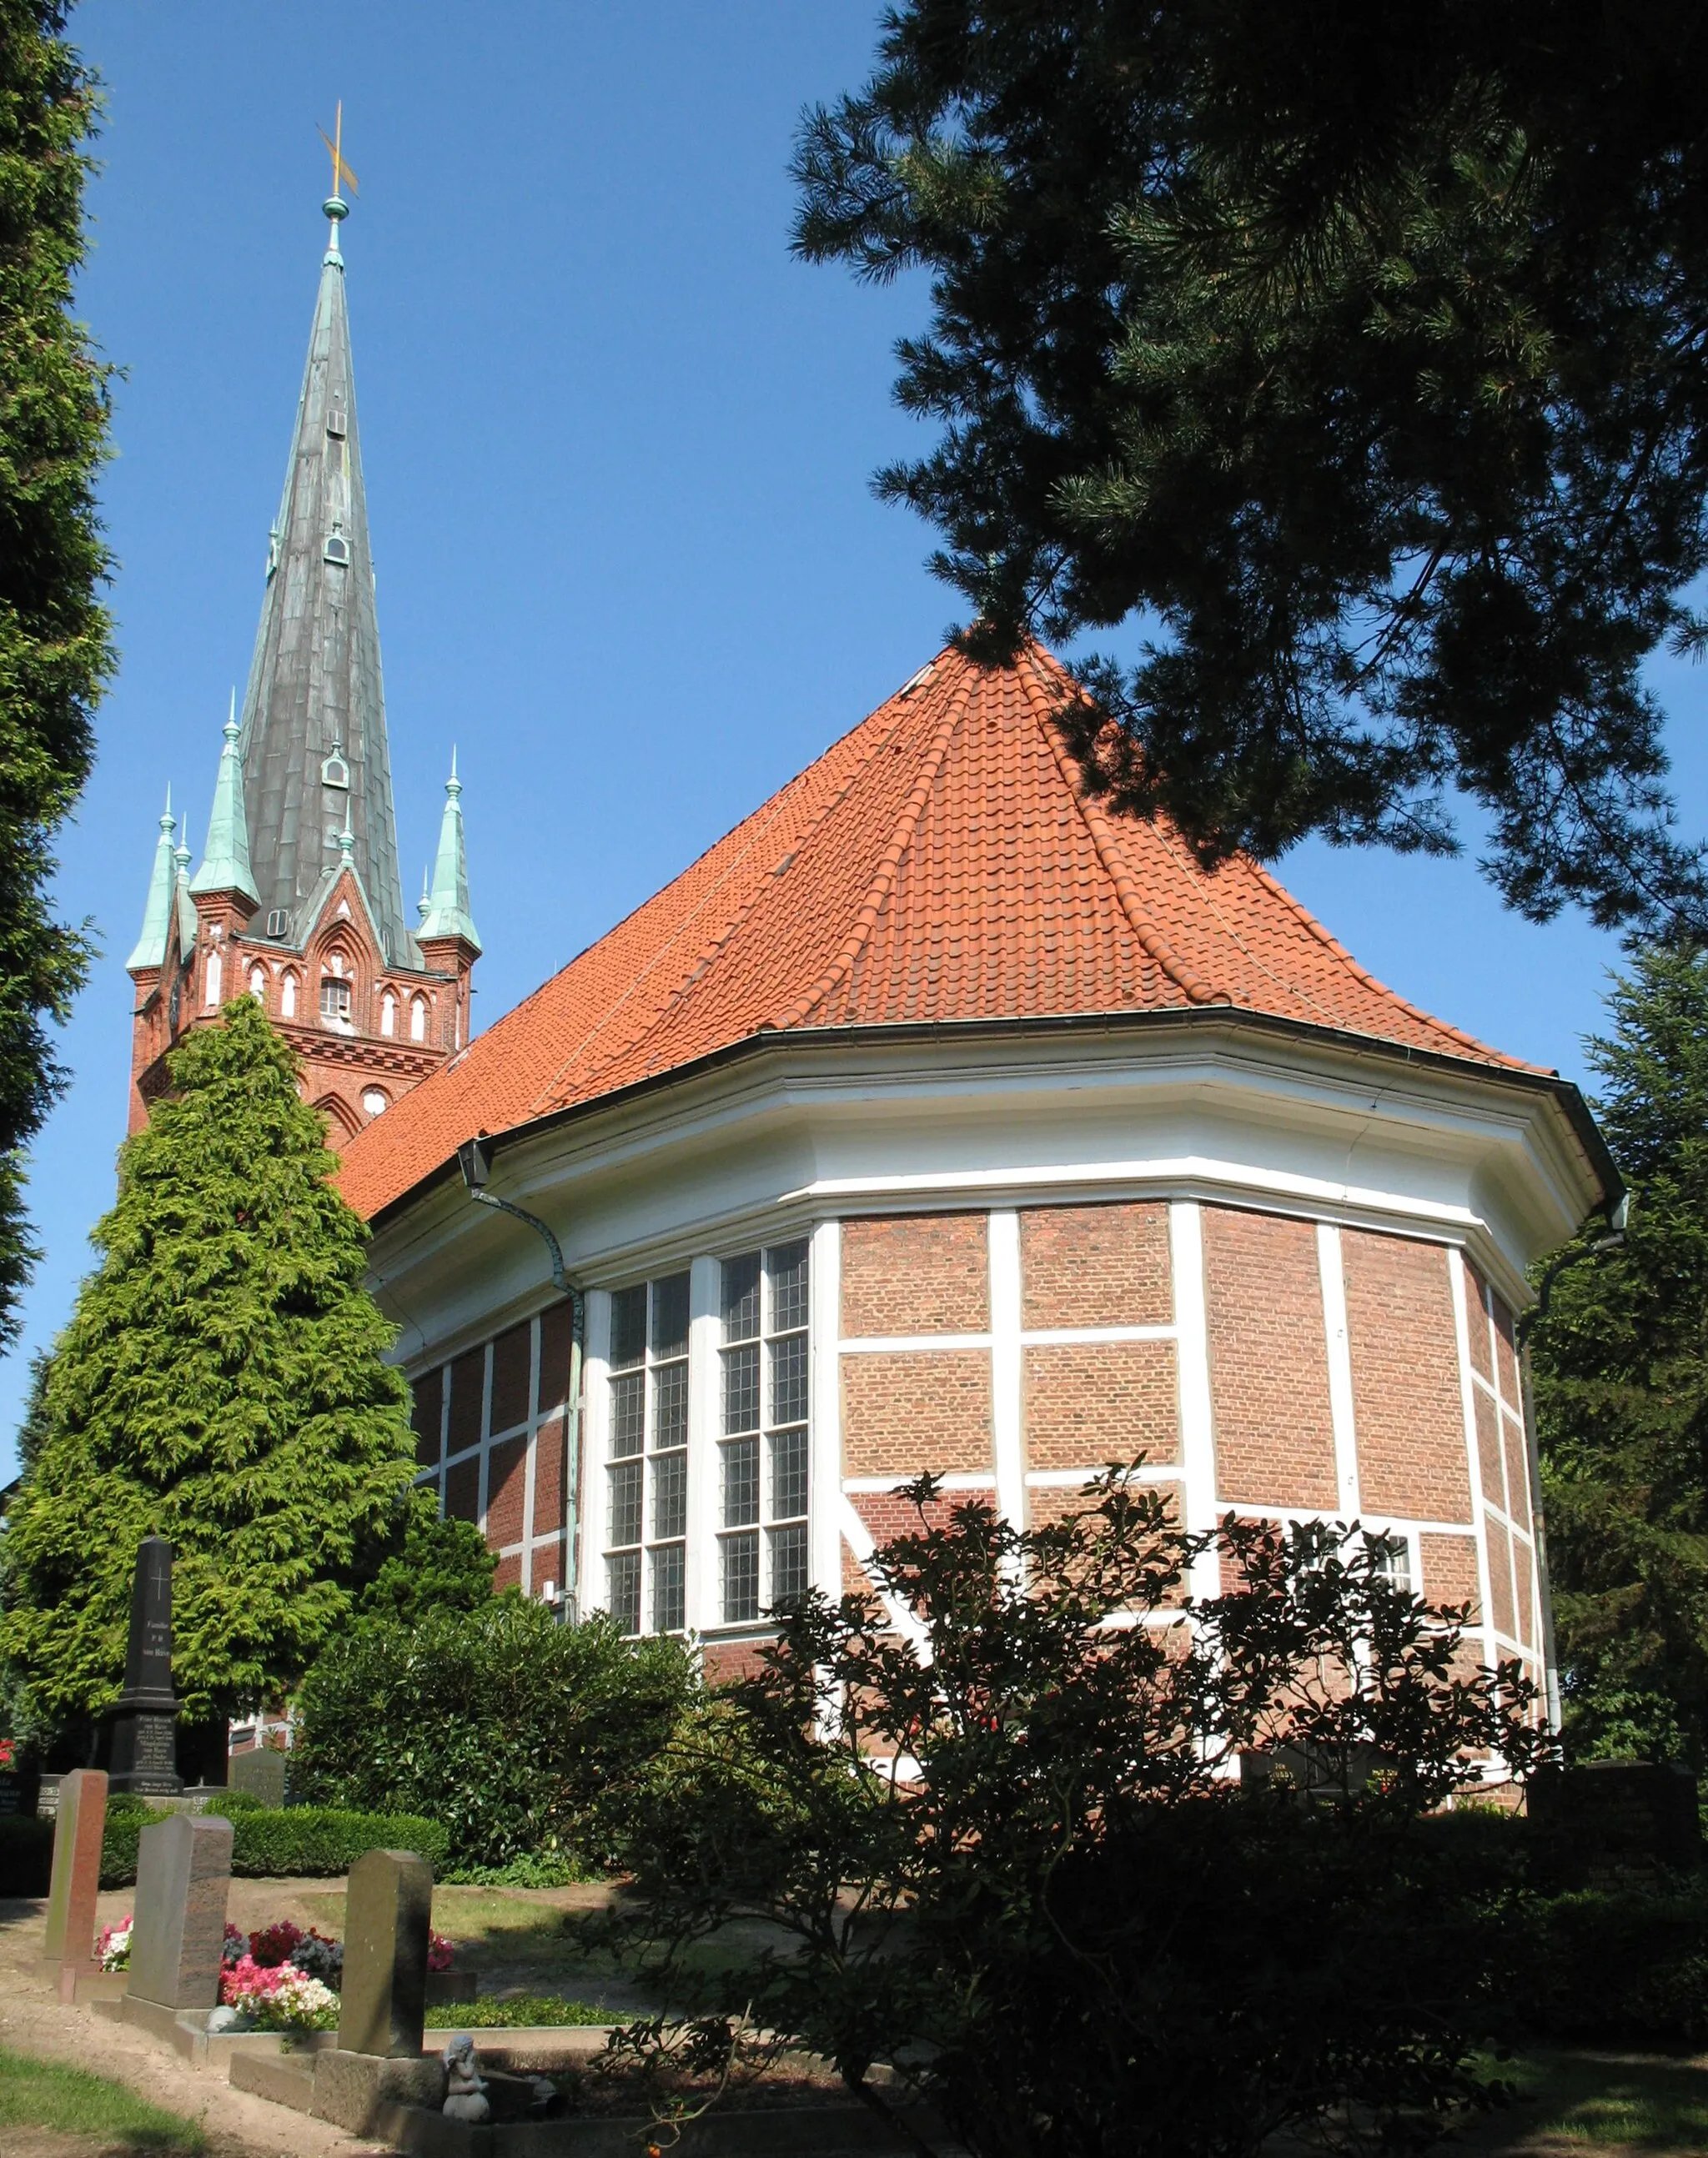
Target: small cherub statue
<point>465,2087</point>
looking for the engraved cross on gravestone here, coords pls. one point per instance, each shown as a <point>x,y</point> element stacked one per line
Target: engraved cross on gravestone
<point>144,1756</point>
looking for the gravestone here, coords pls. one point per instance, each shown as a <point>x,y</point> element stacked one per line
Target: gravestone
<point>386,1910</point>
<point>261,1773</point>
<point>79,1826</point>
<point>143,1724</point>
<point>184,1875</point>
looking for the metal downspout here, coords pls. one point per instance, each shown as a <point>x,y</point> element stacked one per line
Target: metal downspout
<point>475,1164</point>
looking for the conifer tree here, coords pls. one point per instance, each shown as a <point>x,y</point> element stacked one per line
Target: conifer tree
<point>55,641</point>
<point>1353,358</point>
<point>1621,1367</point>
<point>221,1383</point>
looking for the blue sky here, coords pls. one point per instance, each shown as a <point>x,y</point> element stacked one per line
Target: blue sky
<point>618,446</point>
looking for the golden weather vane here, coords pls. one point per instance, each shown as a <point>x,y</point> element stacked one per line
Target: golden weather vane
<point>335,146</point>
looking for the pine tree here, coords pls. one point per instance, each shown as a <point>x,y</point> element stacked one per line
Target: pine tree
<point>55,644</point>
<point>1353,357</point>
<point>1620,1359</point>
<point>221,1383</point>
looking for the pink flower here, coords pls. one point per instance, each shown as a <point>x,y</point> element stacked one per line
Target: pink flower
<point>6,1754</point>
<point>440,1951</point>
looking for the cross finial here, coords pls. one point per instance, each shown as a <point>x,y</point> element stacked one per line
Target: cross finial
<point>335,206</point>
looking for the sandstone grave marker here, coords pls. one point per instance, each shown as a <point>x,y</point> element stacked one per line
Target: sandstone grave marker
<point>183,1876</point>
<point>386,1909</point>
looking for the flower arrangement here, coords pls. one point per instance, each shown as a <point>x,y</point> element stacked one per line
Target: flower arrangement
<point>113,1950</point>
<point>440,1951</point>
<point>8,1755</point>
<point>278,1996</point>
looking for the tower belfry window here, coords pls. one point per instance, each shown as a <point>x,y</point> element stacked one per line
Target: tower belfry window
<point>335,420</point>
<point>333,771</point>
<point>338,548</point>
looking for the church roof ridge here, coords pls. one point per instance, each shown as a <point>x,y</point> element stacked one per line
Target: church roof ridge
<point>943,861</point>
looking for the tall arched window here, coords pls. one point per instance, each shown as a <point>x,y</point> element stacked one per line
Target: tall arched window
<point>258,984</point>
<point>212,980</point>
<point>418,1020</point>
<point>388,1014</point>
<point>287,997</point>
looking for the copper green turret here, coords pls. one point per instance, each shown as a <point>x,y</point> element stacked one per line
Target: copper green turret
<point>446,903</point>
<point>225,865</point>
<point>157,915</point>
<point>314,754</point>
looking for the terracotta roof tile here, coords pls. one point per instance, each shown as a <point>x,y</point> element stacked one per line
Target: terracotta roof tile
<point>941,862</point>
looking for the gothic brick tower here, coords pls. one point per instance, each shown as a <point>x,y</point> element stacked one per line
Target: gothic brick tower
<point>298,898</point>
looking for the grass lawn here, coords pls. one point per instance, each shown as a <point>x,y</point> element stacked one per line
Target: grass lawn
<point>46,2095</point>
<point>1592,2103</point>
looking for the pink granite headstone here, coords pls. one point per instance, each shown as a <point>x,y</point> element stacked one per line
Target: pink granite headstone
<point>78,1827</point>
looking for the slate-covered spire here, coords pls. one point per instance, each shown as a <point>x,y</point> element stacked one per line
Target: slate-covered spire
<point>447,904</point>
<point>157,915</point>
<point>225,865</point>
<point>313,747</point>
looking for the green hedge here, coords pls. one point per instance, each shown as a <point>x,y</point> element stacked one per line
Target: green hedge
<point>314,1841</point>
<point>26,1855</point>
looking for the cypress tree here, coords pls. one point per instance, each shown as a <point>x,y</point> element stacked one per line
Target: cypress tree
<point>1620,1361</point>
<point>222,1384</point>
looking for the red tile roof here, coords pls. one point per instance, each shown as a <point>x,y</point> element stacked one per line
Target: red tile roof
<point>941,862</point>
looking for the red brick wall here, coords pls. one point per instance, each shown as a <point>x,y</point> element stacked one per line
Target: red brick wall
<point>426,1400</point>
<point>1488,1447</point>
<point>1477,1321</point>
<point>1518,1479</point>
<point>1268,1361</point>
<point>915,1274</point>
<point>907,1409</point>
<point>1095,1266</point>
<point>1098,1402</point>
<point>1449,1565</point>
<point>467,1380</point>
<point>510,1357</point>
<point>1407,1406</point>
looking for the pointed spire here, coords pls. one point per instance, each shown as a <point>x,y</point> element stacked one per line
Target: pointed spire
<point>181,889</point>
<point>424,903</point>
<point>315,693</point>
<point>225,865</point>
<point>157,915</point>
<point>447,913</point>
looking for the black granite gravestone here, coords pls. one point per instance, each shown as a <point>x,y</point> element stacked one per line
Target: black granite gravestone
<point>143,1722</point>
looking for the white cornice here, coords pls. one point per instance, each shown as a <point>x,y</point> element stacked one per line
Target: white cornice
<point>794,1129</point>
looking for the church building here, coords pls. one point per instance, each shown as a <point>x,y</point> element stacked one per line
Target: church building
<point>936,1118</point>
<point>298,897</point>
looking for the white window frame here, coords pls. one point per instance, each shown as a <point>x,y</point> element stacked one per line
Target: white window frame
<point>649,1470</point>
<point>778,1348</point>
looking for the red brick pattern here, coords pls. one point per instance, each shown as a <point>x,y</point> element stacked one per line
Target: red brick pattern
<point>1506,1353</point>
<point>915,1274</point>
<point>1477,1322</point>
<point>1518,1481</point>
<point>1408,1410</point>
<point>1500,1580</point>
<point>1488,1448</point>
<point>1268,1361</point>
<point>1526,1602</point>
<point>1095,1266</point>
<point>507,1574</point>
<point>907,1409</point>
<point>727,1662</point>
<point>1449,1566</point>
<point>507,1478</point>
<point>1099,1401</point>
<point>549,1477</point>
<point>510,1375</point>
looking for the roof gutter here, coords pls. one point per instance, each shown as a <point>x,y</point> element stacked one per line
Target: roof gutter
<point>474,1159</point>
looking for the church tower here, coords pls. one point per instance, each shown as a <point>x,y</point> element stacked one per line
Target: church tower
<point>297,898</point>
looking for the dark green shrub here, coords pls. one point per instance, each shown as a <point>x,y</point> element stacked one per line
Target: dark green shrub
<point>317,1842</point>
<point>504,1725</point>
<point>26,1855</point>
<point>1627,1967</point>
